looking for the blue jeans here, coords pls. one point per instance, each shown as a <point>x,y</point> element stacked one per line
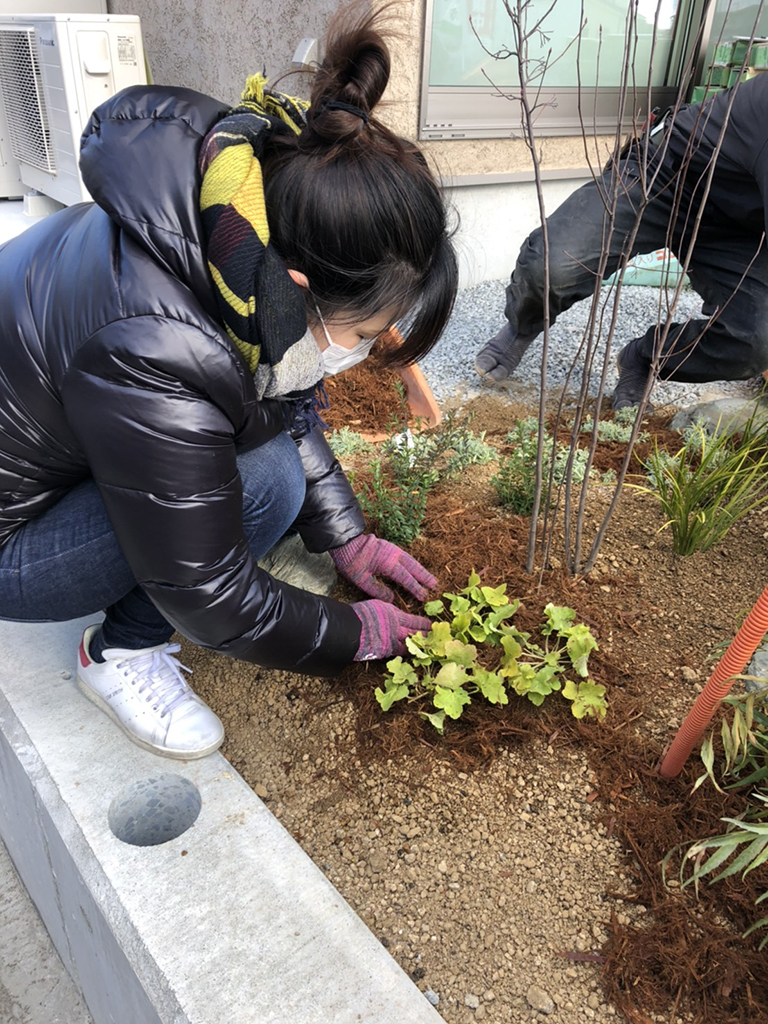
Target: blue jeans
<point>67,563</point>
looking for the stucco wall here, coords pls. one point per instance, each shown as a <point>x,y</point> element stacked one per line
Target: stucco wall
<point>213,45</point>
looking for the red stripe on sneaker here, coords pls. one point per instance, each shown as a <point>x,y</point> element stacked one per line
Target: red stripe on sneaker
<point>84,659</point>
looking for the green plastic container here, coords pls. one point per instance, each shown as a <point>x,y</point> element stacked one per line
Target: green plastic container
<point>760,55</point>
<point>719,74</point>
<point>737,75</point>
<point>740,49</point>
<point>723,53</point>
<point>702,92</point>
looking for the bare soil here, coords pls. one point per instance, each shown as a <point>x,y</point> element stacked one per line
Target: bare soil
<point>513,865</point>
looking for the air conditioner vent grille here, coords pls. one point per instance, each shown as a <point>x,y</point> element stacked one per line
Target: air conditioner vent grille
<point>21,88</point>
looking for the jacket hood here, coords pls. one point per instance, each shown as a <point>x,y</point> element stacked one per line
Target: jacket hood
<point>138,158</point>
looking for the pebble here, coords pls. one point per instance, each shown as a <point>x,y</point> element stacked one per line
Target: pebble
<point>378,861</point>
<point>432,997</point>
<point>261,791</point>
<point>471,1001</point>
<point>539,999</point>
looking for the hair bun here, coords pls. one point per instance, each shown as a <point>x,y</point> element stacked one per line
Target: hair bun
<point>351,79</point>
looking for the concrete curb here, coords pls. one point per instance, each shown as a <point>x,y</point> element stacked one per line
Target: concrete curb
<point>231,921</point>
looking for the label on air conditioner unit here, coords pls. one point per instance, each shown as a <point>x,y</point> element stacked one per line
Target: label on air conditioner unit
<point>126,50</point>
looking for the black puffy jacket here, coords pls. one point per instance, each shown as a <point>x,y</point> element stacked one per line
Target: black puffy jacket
<point>113,365</point>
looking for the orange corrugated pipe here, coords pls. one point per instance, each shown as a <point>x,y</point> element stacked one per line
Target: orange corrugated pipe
<point>741,649</point>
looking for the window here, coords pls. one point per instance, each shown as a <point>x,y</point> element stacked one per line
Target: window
<point>466,92</point>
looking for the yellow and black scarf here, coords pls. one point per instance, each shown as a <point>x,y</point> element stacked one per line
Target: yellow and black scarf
<point>262,309</point>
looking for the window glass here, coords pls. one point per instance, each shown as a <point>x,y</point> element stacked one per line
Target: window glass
<point>735,19</point>
<point>458,57</point>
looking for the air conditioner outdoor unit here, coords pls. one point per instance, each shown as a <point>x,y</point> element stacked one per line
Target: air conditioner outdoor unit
<point>54,70</point>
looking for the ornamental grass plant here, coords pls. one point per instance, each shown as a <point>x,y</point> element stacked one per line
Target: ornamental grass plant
<point>743,848</point>
<point>710,483</point>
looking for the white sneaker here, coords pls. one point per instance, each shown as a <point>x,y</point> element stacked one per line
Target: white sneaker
<point>146,695</point>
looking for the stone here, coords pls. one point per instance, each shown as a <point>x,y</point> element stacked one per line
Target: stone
<point>538,999</point>
<point>471,1001</point>
<point>290,562</point>
<point>261,791</point>
<point>758,667</point>
<point>690,675</point>
<point>722,414</point>
<point>378,861</point>
<point>432,997</point>
<point>593,1001</point>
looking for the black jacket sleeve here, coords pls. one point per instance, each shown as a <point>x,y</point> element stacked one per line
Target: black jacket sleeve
<point>162,452</point>
<point>331,514</point>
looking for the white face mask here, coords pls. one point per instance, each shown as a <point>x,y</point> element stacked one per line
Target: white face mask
<point>336,358</point>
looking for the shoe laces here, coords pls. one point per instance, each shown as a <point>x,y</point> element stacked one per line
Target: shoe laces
<point>157,674</point>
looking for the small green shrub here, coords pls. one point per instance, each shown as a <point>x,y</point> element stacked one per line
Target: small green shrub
<point>613,430</point>
<point>464,448</point>
<point>346,442</point>
<point>449,448</point>
<point>578,468</point>
<point>709,484</point>
<point>413,463</point>
<point>444,670</point>
<point>515,481</point>
<point>396,503</point>
<point>627,415</point>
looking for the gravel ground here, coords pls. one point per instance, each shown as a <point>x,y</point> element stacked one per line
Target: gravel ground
<point>479,314</point>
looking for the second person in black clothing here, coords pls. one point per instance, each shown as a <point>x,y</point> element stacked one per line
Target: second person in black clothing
<point>728,266</point>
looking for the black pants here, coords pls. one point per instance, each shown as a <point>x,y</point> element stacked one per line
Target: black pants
<point>733,347</point>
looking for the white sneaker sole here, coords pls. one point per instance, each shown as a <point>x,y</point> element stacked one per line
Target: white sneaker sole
<point>155,748</point>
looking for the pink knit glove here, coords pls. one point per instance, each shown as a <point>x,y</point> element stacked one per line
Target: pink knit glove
<point>367,556</point>
<point>385,629</point>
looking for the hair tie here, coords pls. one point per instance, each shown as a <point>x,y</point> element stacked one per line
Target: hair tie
<point>348,108</point>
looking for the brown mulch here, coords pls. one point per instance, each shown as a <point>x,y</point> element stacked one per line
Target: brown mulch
<point>363,398</point>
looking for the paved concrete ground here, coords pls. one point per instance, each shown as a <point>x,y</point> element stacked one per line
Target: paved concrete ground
<point>34,986</point>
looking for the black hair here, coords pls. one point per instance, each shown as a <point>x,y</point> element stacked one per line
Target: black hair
<point>356,208</point>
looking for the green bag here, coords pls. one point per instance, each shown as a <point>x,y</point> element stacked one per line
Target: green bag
<point>659,269</point>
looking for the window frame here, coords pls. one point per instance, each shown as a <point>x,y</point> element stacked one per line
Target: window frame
<point>483,112</point>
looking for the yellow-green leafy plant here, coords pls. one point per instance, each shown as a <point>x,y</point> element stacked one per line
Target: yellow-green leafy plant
<point>451,665</point>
